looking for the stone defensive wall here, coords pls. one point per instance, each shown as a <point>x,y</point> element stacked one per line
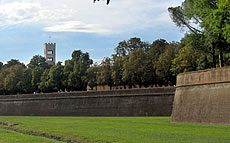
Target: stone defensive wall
<point>134,102</point>
<point>203,97</point>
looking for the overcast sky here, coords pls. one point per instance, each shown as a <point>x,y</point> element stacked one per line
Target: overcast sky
<point>25,25</point>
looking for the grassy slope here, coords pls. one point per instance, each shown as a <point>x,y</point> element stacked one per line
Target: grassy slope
<point>13,137</point>
<point>123,130</point>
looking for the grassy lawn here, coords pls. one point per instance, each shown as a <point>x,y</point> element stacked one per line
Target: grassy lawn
<point>121,129</point>
<point>14,137</point>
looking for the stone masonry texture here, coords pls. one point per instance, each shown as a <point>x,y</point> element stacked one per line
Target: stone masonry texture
<point>136,102</point>
<point>203,97</point>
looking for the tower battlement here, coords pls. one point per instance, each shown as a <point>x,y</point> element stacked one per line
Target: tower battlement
<point>50,44</point>
<point>50,53</point>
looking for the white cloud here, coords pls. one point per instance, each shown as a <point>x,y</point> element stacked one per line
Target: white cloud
<point>15,13</point>
<point>76,26</point>
<point>29,12</point>
<point>121,16</point>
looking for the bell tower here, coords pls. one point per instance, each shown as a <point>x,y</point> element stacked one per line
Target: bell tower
<point>50,53</point>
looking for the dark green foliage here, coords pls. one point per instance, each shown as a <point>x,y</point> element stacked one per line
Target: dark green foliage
<point>211,17</point>
<point>68,68</point>
<point>75,71</point>
<point>105,73</point>
<point>26,85</point>
<point>36,77</point>
<point>43,86</point>
<point>156,49</point>
<point>1,65</point>
<point>92,76</point>
<point>13,62</point>
<point>118,70</point>
<point>125,61</point>
<point>38,61</point>
<point>55,77</point>
<point>192,55</point>
<point>134,68</point>
<point>164,65</point>
<point>13,79</point>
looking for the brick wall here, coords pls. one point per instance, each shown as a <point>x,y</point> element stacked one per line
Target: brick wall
<point>203,97</point>
<point>136,102</point>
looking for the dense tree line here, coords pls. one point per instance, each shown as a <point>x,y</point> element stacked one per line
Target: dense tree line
<point>134,63</point>
<point>137,63</point>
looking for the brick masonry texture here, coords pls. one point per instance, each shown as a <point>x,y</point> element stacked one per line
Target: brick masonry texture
<point>136,102</point>
<point>203,97</point>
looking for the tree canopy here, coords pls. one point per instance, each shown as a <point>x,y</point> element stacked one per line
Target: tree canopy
<point>209,19</point>
<point>38,61</point>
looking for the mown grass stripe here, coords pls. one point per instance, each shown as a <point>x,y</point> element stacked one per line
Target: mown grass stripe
<point>34,133</point>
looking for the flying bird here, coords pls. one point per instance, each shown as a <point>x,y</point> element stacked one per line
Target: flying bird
<point>99,0</point>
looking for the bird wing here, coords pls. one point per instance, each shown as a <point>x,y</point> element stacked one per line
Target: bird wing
<point>108,2</point>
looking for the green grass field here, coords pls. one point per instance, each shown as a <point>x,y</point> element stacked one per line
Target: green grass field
<point>112,129</point>
<point>13,137</point>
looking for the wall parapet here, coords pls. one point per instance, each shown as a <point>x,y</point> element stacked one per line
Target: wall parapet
<point>94,93</point>
<point>211,76</point>
<point>203,97</point>
<point>77,97</point>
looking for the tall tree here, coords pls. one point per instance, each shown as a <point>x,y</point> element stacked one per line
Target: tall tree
<point>152,55</point>
<point>193,55</point>
<point>134,67</point>
<point>185,61</point>
<point>38,61</point>
<point>212,19</point>
<point>216,24</point>
<point>92,76</point>
<point>36,78</point>
<point>76,70</point>
<point>12,80</point>
<point>3,74</point>
<point>118,70</point>
<point>26,84</point>
<point>43,86</point>
<point>105,71</point>
<point>55,77</point>
<point>68,69</point>
<point>164,65</point>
